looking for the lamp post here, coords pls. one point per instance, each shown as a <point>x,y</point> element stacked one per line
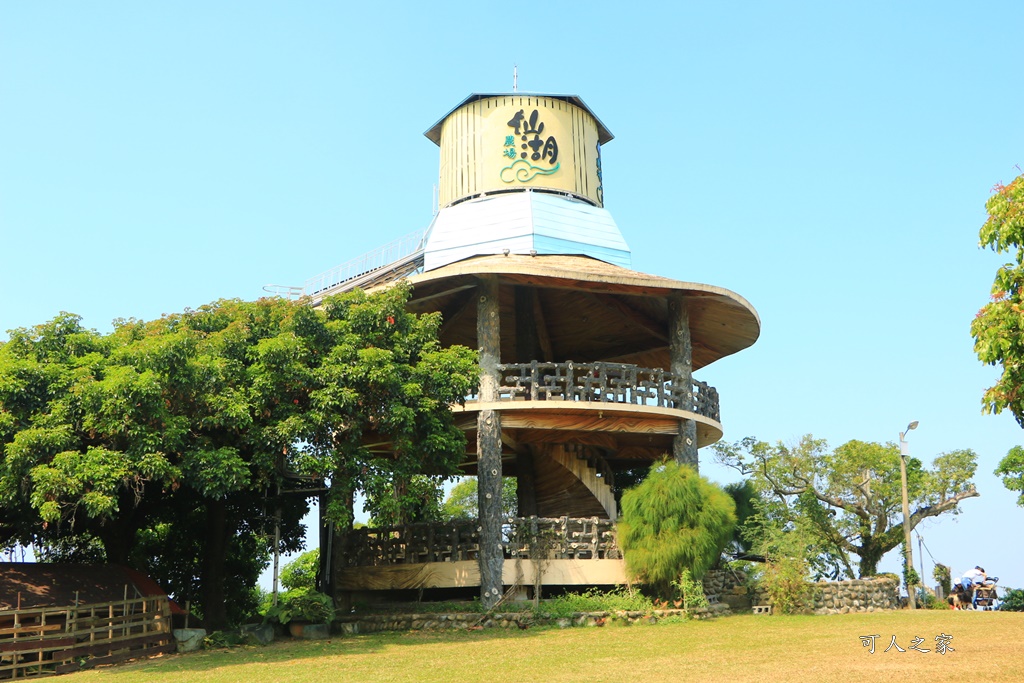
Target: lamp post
<point>911,600</point>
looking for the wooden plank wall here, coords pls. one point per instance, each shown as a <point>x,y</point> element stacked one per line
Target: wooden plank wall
<point>50,640</point>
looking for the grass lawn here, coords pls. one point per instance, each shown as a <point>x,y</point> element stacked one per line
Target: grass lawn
<point>987,646</point>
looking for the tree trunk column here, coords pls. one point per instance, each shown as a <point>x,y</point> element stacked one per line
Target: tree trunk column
<point>488,444</point>
<point>684,445</point>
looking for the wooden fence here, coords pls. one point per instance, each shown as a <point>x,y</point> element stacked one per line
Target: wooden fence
<point>53,640</point>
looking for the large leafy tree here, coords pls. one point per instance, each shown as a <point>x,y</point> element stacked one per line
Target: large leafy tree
<point>847,501</point>
<point>169,441</point>
<point>998,328</point>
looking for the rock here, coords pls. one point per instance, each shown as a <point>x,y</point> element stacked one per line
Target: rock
<point>309,631</point>
<point>189,639</point>
<point>258,634</point>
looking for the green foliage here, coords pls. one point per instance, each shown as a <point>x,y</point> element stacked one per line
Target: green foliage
<point>744,495</point>
<point>1013,601</point>
<point>462,501</point>
<point>392,502</point>
<point>674,520</point>
<point>168,440</point>
<point>848,501</point>
<point>221,639</point>
<point>308,606</point>
<point>998,328</point>
<point>941,573</point>
<point>1011,469</point>
<point>620,599</point>
<point>301,572</point>
<point>927,600</point>
<point>785,579</point>
<point>788,550</point>
<point>690,591</point>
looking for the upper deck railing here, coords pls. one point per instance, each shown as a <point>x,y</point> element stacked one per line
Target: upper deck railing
<point>605,383</point>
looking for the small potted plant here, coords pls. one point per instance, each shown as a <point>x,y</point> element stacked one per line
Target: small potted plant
<point>307,614</point>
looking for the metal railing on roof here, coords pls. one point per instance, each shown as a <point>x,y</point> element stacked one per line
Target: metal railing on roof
<point>404,249</point>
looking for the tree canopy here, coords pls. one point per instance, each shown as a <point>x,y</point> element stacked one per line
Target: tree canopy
<point>847,501</point>
<point>462,501</point>
<point>169,441</point>
<point>1011,469</point>
<point>998,328</point>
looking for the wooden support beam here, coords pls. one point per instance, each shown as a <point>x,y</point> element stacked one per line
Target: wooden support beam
<point>543,338</point>
<point>684,445</point>
<point>633,316</point>
<point>488,332</point>
<point>457,309</point>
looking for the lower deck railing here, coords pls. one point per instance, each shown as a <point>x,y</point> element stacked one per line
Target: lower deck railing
<point>522,537</point>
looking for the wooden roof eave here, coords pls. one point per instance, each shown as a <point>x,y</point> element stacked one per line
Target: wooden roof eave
<point>728,322</point>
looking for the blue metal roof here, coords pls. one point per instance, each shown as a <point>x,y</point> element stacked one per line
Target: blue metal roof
<point>523,223</point>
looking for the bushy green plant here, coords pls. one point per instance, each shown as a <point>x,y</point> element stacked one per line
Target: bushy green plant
<point>926,600</point>
<point>309,606</point>
<point>1013,601</point>
<point>621,599</point>
<point>673,520</point>
<point>784,578</point>
<point>691,591</point>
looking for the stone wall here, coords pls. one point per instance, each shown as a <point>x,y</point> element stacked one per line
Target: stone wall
<point>843,597</point>
<point>371,623</point>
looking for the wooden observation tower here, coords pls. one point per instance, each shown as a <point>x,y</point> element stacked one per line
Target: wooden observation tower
<point>587,366</point>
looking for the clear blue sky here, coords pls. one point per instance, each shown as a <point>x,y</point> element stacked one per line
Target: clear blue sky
<point>828,161</point>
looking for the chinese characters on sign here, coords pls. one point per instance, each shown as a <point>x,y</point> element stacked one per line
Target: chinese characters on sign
<point>531,150</point>
<point>942,644</point>
<point>542,149</point>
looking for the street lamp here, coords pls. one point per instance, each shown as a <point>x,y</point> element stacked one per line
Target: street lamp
<point>911,600</point>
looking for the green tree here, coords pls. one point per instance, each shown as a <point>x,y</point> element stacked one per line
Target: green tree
<point>744,497</point>
<point>848,500</point>
<point>998,328</point>
<point>174,436</point>
<point>673,520</point>
<point>462,502</point>
<point>300,573</point>
<point>381,385</point>
<point>1011,469</point>
<point>122,429</point>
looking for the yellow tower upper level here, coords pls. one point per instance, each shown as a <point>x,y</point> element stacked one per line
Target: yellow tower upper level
<point>494,143</point>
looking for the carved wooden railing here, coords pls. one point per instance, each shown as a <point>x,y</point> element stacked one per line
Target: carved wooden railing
<point>605,383</point>
<point>537,538</point>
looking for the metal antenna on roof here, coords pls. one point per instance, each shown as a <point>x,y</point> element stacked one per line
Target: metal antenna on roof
<point>515,78</point>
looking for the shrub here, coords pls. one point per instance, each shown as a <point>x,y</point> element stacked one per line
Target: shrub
<point>691,591</point>
<point>621,599</point>
<point>1013,601</point>
<point>674,520</point>
<point>309,606</point>
<point>784,579</point>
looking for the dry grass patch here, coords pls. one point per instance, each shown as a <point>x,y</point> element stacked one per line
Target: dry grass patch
<point>986,647</point>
